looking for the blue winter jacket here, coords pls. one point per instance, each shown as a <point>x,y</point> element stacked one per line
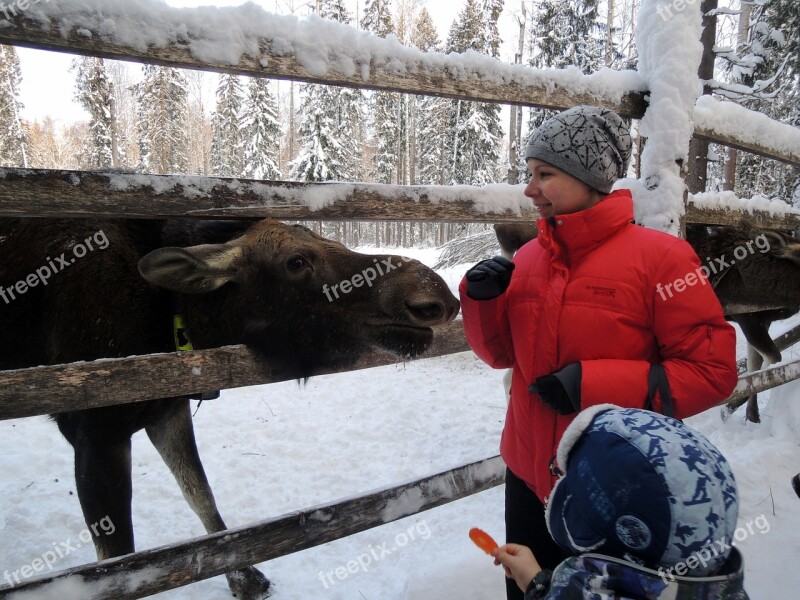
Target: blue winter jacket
<point>598,577</point>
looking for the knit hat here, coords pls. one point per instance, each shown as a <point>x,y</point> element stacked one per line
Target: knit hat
<point>588,142</point>
<point>643,487</point>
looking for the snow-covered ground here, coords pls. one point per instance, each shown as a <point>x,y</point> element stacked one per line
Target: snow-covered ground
<point>272,449</point>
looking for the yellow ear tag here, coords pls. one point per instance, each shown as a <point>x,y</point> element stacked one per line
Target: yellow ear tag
<point>180,334</point>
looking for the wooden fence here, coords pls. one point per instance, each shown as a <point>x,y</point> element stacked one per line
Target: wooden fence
<point>51,389</point>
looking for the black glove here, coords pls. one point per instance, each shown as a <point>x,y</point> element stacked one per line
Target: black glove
<point>489,278</point>
<point>561,390</point>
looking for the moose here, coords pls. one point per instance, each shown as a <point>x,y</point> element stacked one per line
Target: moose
<point>755,273</point>
<point>112,288</point>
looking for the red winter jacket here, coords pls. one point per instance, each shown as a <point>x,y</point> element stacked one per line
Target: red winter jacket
<point>592,288</point>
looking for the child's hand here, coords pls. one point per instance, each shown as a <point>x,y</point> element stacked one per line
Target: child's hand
<point>518,562</point>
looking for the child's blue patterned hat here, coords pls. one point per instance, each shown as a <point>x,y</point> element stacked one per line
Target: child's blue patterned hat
<point>643,487</point>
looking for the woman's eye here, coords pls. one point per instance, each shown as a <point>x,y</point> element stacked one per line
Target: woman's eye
<point>296,263</point>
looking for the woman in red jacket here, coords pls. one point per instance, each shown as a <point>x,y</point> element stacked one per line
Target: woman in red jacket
<point>597,310</point>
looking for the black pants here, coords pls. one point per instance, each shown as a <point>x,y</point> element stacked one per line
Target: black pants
<point>525,525</point>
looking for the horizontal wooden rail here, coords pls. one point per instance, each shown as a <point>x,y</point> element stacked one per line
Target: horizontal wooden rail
<point>153,571</point>
<point>421,73</point>
<point>489,80</point>
<point>760,381</point>
<point>707,216</point>
<point>108,382</point>
<point>91,194</point>
<point>728,139</point>
<point>97,195</point>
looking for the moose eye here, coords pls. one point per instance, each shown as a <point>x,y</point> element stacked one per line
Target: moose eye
<point>296,263</point>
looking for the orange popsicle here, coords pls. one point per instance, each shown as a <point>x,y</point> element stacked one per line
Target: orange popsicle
<point>483,540</point>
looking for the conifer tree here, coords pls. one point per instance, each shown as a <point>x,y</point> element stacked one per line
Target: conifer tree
<point>95,93</point>
<point>321,155</point>
<point>13,151</point>
<point>473,146</point>
<point>332,147</point>
<point>161,110</point>
<point>766,78</point>
<point>386,106</point>
<point>431,127</point>
<point>565,34</point>
<point>227,142</point>
<point>262,132</point>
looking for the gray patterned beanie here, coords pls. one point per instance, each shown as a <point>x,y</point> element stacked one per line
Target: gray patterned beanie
<point>590,143</point>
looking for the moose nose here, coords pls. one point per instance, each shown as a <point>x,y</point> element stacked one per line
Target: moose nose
<point>432,312</point>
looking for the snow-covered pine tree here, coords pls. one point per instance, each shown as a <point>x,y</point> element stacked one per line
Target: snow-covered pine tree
<point>262,131</point>
<point>472,146</point>
<point>491,15</point>
<point>161,111</point>
<point>564,34</point>
<point>95,92</point>
<point>431,129</point>
<point>227,125</point>
<point>13,151</point>
<point>766,74</point>
<point>321,155</point>
<point>329,121</point>
<point>387,116</point>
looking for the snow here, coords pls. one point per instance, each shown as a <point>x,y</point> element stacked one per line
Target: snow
<point>271,450</point>
<point>728,200</point>
<point>225,35</point>
<point>669,55</point>
<point>738,121</point>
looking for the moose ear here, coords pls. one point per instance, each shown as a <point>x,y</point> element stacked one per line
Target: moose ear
<point>193,270</point>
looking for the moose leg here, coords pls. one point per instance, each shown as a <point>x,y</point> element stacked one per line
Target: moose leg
<point>103,479</point>
<point>173,437</point>
<point>756,330</point>
<point>754,362</point>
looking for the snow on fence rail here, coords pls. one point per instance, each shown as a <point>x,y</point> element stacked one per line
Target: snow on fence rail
<point>92,194</point>
<point>250,41</point>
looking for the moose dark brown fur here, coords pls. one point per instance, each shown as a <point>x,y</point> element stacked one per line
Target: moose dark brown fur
<point>756,290</point>
<point>258,283</point>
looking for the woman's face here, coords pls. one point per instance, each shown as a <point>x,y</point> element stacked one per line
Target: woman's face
<point>555,193</point>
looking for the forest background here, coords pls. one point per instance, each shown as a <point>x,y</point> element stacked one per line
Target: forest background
<point>153,119</point>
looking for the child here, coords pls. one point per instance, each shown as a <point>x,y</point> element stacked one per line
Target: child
<point>648,504</point>
<point>581,321</point>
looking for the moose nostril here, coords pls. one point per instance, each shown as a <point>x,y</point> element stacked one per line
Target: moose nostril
<point>426,311</point>
<point>452,312</point>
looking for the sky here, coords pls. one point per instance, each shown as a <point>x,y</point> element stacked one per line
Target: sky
<point>48,85</point>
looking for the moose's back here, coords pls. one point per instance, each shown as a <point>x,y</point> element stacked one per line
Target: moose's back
<point>70,290</point>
